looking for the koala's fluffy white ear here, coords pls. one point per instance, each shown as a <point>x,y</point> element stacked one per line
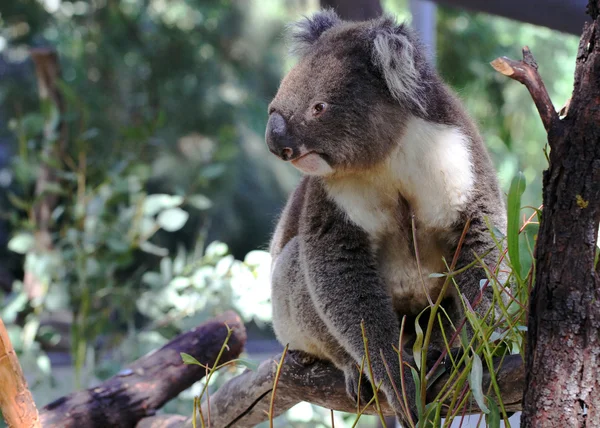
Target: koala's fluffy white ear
<point>307,31</point>
<point>394,54</point>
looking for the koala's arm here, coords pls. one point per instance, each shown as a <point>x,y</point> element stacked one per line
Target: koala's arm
<point>478,240</point>
<point>346,287</point>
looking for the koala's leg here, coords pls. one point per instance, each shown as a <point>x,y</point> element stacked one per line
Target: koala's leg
<point>297,323</point>
<point>346,287</point>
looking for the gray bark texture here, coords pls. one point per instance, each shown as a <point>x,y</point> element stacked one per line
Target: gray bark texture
<point>563,339</point>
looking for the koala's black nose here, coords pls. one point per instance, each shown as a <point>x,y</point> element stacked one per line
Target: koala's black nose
<point>278,138</point>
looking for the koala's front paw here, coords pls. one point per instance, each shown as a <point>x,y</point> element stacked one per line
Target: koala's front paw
<point>365,392</point>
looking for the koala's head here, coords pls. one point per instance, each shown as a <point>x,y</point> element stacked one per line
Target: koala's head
<point>344,104</point>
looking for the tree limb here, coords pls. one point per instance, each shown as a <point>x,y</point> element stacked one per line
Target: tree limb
<point>16,402</point>
<point>147,384</point>
<point>244,400</point>
<point>526,72</point>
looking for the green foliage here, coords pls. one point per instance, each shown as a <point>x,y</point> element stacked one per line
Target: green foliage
<point>159,98</point>
<point>502,108</point>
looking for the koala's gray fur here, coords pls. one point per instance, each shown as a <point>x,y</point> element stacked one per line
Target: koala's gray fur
<point>383,141</point>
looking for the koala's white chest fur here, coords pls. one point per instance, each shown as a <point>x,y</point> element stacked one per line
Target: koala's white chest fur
<point>431,169</point>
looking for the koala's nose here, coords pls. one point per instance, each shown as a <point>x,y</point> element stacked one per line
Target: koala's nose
<point>278,138</point>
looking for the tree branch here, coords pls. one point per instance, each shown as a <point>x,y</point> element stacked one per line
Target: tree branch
<point>526,72</point>
<point>16,402</point>
<point>147,384</point>
<point>244,400</point>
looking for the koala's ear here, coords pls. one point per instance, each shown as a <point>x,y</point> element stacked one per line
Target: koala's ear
<point>307,31</point>
<point>395,54</point>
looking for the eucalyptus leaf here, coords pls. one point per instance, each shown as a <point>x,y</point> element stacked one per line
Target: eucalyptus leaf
<point>153,204</point>
<point>43,364</point>
<point>172,219</point>
<point>200,202</point>
<point>432,417</point>
<point>476,383</point>
<point>517,187</point>
<point>493,418</point>
<point>21,243</point>
<point>437,275</point>
<point>418,345</point>
<point>150,248</point>
<point>188,359</point>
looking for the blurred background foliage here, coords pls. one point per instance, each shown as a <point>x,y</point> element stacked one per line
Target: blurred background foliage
<point>166,185</point>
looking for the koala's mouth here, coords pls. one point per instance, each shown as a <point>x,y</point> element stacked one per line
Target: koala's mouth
<point>303,156</point>
<point>312,163</point>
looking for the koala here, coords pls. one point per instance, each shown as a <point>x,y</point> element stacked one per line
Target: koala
<point>393,170</point>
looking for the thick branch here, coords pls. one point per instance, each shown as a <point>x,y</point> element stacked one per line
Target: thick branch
<point>147,384</point>
<point>526,72</point>
<point>16,402</point>
<point>244,400</point>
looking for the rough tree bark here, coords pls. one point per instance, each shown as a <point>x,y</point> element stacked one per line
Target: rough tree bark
<point>355,10</point>
<point>147,384</point>
<point>563,349</point>
<point>16,402</point>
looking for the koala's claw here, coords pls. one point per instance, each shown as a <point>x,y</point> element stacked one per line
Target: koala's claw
<point>352,380</point>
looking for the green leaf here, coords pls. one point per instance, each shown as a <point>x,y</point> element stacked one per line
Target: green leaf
<point>199,202</point>
<point>437,275</point>
<point>476,383</point>
<point>492,419</point>
<point>15,305</point>
<point>432,416</point>
<point>418,345</point>
<point>417,381</point>
<point>172,219</point>
<point>517,187</point>
<point>21,243</point>
<point>43,363</point>
<point>188,359</point>
<point>153,204</point>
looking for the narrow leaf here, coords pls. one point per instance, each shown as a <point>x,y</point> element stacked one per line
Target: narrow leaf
<point>418,345</point>
<point>517,187</point>
<point>476,383</point>
<point>492,419</point>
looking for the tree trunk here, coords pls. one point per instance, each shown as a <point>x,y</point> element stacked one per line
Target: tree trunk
<point>563,349</point>
<point>354,10</point>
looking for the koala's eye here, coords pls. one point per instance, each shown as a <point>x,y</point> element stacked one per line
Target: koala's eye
<point>319,108</point>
